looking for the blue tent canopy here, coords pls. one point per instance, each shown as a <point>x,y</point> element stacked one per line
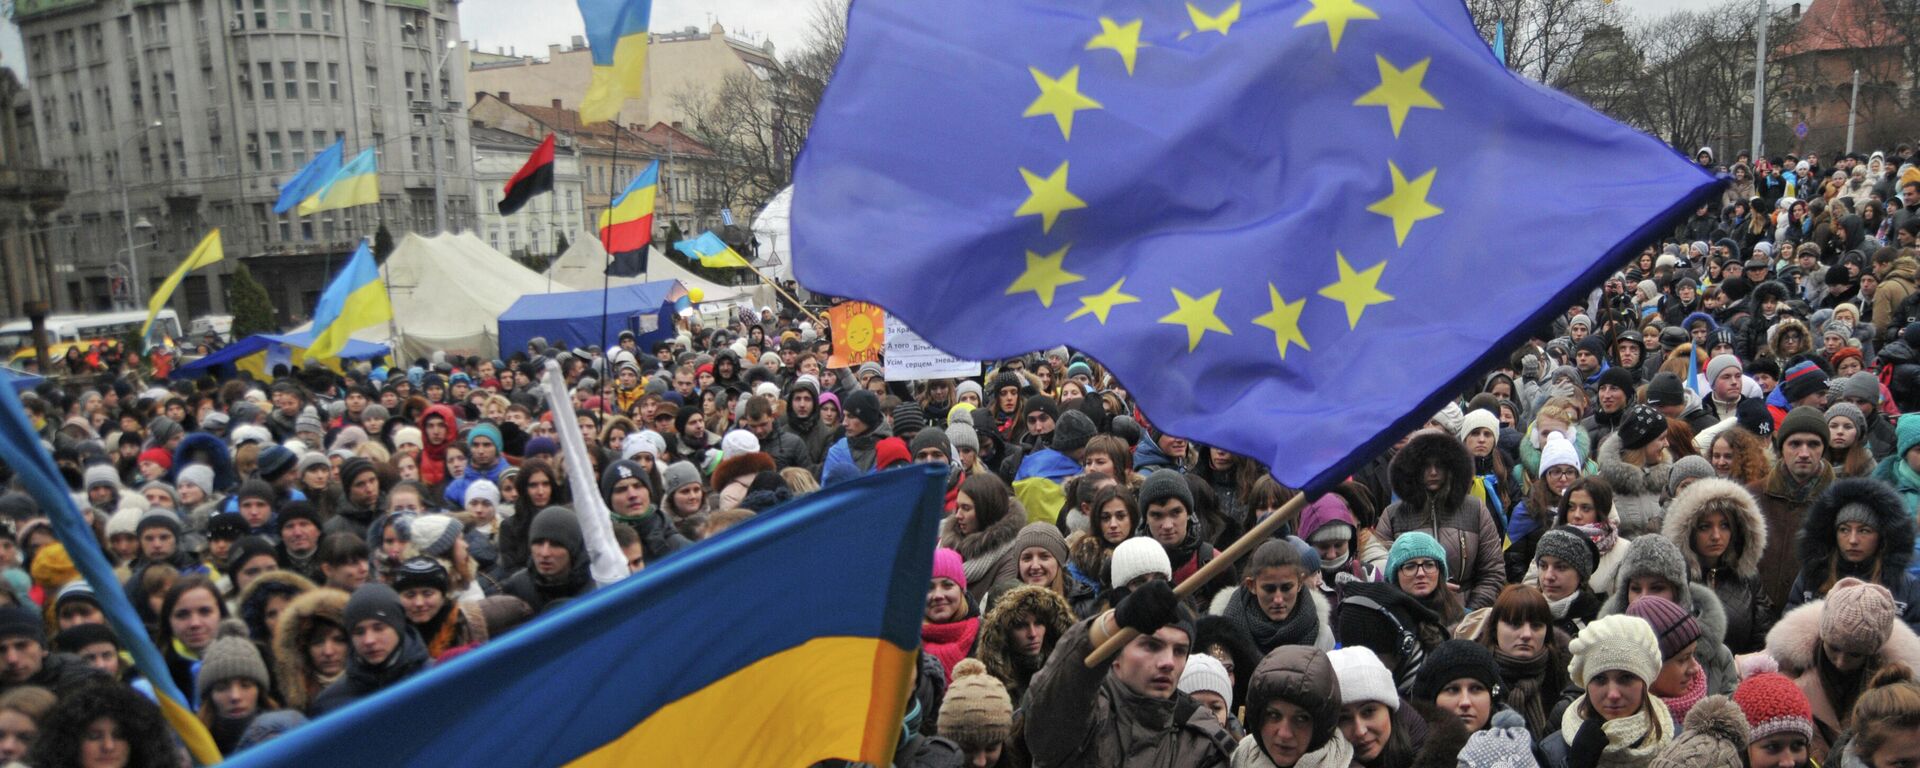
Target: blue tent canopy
<point>222,363</point>
<point>575,316</point>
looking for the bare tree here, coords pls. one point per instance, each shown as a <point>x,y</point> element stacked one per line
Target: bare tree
<point>756,122</point>
<point>1544,37</point>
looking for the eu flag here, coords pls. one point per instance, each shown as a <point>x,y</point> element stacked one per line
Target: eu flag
<point>1291,227</point>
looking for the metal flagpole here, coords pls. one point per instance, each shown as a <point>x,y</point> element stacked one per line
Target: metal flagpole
<point>606,276</point>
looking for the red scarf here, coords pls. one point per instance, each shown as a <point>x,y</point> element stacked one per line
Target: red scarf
<point>950,642</point>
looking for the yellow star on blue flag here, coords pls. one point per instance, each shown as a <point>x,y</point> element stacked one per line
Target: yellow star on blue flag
<point>1268,265</point>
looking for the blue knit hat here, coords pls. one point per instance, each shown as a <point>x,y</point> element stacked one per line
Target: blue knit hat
<point>485,430</point>
<point>1906,432</point>
<point>1411,545</point>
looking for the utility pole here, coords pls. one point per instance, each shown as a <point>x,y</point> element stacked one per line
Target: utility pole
<point>1760,80</point>
<point>1853,110</point>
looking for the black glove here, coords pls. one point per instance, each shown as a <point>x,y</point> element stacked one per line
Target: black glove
<point>1151,606</point>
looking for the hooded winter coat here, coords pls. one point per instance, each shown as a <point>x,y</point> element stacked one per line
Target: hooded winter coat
<point>433,456</point>
<point>1304,678</point>
<point>1896,284</point>
<point>1735,576</point>
<point>1653,555</point>
<point>1794,643</point>
<point>995,647</point>
<point>1094,719</point>
<point>362,679</point>
<point>202,448</point>
<point>1239,606</point>
<point>1817,547</point>
<point>987,553</point>
<point>1784,506</point>
<point>1636,490</point>
<point>1459,522</point>
<point>299,683</point>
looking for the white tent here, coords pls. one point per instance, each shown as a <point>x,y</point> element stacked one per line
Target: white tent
<point>582,268</point>
<point>448,292</point>
<point>773,236</point>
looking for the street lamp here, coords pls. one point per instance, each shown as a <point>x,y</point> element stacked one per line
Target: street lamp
<point>126,212</point>
<point>439,125</point>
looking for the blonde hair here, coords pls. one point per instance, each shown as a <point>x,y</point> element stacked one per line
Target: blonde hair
<point>374,452</point>
<point>799,480</point>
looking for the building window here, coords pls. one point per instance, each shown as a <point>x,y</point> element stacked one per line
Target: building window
<point>414,155</point>
<point>379,149</point>
<point>373,85</point>
<point>297,142</point>
<point>313,80</point>
<point>306,14</point>
<point>259,14</point>
<point>266,80</point>
<point>253,150</point>
<point>275,160</point>
<point>173,96</point>
<point>282,15</point>
<point>180,156</point>
<point>290,72</point>
<point>333,81</point>
<point>326,15</point>
<point>366,18</point>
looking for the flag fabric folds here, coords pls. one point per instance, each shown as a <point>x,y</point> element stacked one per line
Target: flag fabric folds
<point>1292,232</point>
<point>311,178</point>
<point>34,470</point>
<point>532,179</point>
<point>356,299</point>
<point>617,35</point>
<point>356,183</point>
<point>207,252</point>
<point>710,251</point>
<point>777,677</point>
<point>626,227</point>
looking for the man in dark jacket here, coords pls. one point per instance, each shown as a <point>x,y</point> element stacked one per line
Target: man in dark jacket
<point>1799,476</point>
<point>1127,710</point>
<point>802,419</point>
<point>558,568</point>
<point>628,496</point>
<point>24,659</point>
<point>384,648</point>
<point>786,448</point>
<point>361,498</point>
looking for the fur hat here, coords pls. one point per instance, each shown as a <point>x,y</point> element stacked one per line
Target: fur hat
<point>1653,555</point>
<point>1618,642</point>
<point>976,713</point>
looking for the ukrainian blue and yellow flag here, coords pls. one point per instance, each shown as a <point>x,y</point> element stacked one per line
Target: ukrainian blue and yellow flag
<point>1293,227</point>
<point>33,468</point>
<point>714,657</point>
<point>710,251</point>
<point>356,183</point>
<point>310,178</point>
<point>207,252</point>
<point>356,299</point>
<point>617,36</point>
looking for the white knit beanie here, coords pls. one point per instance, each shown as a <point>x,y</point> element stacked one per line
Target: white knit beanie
<point>1206,673</point>
<point>483,489</point>
<point>1559,452</point>
<point>1618,642</point>
<point>1450,418</point>
<point>1137,557</point>
<point>1479,418</point>
<point>643,441</point>
<point>125,521</point>
<point>738,442</point>
<point>1362,677</point>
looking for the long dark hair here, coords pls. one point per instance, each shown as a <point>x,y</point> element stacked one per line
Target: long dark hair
<point>992,499</point>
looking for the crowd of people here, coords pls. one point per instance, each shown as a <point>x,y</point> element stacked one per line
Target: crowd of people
<point>1677,525</point>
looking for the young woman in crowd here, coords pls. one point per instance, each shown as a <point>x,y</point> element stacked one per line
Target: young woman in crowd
<point>1858,528</point>
<point>1615,720</point>
<point>1833,646</point>
<point>1718,528</point>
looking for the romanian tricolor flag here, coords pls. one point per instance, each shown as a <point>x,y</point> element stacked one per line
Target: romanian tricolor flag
<point>533,178</point>
<point>356,183</point>
<point>34,470</point>
<point>617,35</point>
<point>627,227</point>
<point>786,640</point>
<point>356,299</point>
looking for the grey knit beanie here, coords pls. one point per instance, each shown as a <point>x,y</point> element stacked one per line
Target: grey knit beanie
<point>229,658</point>
<point>1688,468</point>
<point>1163,485</point>
<point>1072,431</point>
<point>679,474</point>
<point>1572,548</point>
<point>961,435</point>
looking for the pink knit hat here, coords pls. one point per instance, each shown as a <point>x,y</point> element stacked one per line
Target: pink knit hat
<point>1857,618</point>
<point>947,564</point>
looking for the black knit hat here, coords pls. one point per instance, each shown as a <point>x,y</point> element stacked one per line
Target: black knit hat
<point>865,406</point>
<point>908,419</point>
<point>377,601</point>
<point>421,572</point>
<point>1072,431</point>
<point>1665,389</point>
<point>1452,660</point>
<point>1642,425</point>
<point>22,622</point>
<point>1805,419</point>
<point>1041,403</point>
<point>296,510</point>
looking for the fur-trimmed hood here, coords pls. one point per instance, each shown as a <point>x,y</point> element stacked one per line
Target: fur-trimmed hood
<point>297,621</point>
<point>1796,637</point>
<point>996,632</point>
<point>1725,497</point>
<point>1816,544</point>
<point>1627,479</point>
<point>1431,447</point>
<point>987,540</point>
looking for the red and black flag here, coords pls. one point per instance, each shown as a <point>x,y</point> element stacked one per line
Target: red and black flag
<point>533,178</point>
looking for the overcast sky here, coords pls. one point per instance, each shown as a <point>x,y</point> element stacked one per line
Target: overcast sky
<point>530,25</point>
